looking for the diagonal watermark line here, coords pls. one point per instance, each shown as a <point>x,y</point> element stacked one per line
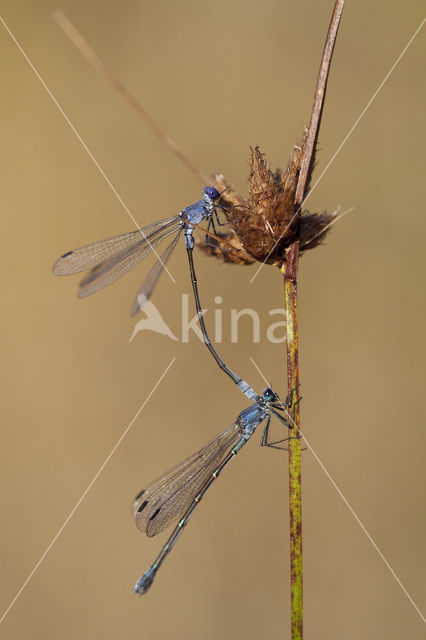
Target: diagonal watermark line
<point>84,494</point>
<point>84,145</point>
<point>344,140</point>
<point>351,509</point>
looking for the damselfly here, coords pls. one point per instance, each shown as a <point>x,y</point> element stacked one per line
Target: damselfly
<point>107,260</point>
<point>175,495</point>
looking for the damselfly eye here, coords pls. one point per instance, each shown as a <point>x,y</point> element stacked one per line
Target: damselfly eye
<point>212,193</point>
<point>269,395</point>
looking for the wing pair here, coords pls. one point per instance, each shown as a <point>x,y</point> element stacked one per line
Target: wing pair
<point>165,500</point>
<point>108,260</point>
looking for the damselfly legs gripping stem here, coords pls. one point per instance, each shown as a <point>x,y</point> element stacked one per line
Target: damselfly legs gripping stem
<point>176,494</point>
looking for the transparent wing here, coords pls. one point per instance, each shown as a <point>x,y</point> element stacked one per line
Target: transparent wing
<point>95,253</point>
<point>148,285</point>
<point>166,499</point>
<point>109,271</point>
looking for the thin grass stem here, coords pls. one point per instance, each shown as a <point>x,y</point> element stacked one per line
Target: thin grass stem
<point>80,43</point>
<point>290,272</point>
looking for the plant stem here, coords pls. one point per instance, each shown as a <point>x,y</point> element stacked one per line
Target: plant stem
<point>289,269</point>
<point>319,96</point>
<point>295,488</point>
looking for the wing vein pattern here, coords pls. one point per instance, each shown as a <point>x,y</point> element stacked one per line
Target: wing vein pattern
<point>94,254</point>
<point>168,497</point>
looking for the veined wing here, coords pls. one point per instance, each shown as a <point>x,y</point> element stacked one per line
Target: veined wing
<point>95,253</point>
<point>148,285</point>
<point>112,269</point>
<point>167,498</point>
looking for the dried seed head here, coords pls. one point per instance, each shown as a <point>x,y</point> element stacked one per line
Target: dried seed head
<point>268,221</point>
<point>272,225</point>
<point>314,228</point>
<point>231,250</point>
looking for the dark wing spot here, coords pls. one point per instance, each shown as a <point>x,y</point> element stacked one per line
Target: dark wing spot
<point>140,494</point>
<point>143,505</point>
<point>67,254</point>
<point>154,515</point>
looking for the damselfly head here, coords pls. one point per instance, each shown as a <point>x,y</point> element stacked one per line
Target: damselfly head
<point>212,192</point>
<point>270,396</point>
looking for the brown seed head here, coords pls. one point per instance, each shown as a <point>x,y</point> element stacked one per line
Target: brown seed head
<point>268,222</point>
<point>230,250</point>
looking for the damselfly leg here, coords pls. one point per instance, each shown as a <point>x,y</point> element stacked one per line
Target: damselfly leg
<point>286,407</point>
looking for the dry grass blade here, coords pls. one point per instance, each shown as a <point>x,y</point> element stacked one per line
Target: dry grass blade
<point>314,124</point>
<point>81,44</point>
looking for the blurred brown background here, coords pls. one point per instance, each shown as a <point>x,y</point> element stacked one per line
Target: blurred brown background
<point>218,76</point>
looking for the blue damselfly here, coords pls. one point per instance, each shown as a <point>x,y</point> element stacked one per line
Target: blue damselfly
<point>176,494</point>
<point>107,260</point>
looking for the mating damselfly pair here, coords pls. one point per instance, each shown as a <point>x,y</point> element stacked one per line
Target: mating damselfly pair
<point>176,494</point>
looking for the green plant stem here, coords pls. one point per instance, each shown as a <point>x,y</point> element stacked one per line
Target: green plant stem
<point>289,270</point>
